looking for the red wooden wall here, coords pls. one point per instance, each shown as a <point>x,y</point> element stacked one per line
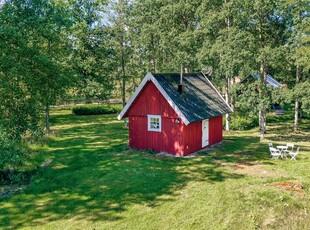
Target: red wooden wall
<point>175,138</point>
<point>193,134</point>
<point>151,101</point>
<point>215,130</point>
<point>192,137</point>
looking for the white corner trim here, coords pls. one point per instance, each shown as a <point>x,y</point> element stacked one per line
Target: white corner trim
<point>133,97</point>
<point>217,92</point>
<point>149,77</point>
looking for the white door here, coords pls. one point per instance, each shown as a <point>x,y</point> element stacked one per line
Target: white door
<point>205,132</point>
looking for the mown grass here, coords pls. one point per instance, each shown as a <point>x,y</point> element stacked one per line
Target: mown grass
<point>95,182</point>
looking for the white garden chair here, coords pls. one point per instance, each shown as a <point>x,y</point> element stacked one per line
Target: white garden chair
<point>270,144</point>
<point>275,153</point>
<point>294,154</point>
<point>290,148</point>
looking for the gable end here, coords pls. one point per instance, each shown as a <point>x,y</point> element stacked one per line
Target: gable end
<point>149,77</point>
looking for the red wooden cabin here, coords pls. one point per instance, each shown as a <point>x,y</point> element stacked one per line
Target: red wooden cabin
<point>175,114</point>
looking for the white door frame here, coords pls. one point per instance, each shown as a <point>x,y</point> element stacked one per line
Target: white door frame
<point>205,133</point>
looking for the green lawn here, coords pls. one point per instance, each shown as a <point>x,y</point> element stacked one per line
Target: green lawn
<point>95,182</point>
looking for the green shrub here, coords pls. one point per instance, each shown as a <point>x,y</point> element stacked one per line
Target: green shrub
<point>242,122</point>
<point>13,156</point>
<point>95,109</point>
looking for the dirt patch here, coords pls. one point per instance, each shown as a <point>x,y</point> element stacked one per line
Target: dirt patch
<point>235,166</point>
<point>164,154</point>
<point>243,165</point>
<point>251,169</point>
<point>294,187</point>
<point>246,154</point>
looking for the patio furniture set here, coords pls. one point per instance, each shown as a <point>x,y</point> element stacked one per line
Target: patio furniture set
<point>282,151</point>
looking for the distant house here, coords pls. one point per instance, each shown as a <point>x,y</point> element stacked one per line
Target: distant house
<point>175,114</point>
<point>269,80</point>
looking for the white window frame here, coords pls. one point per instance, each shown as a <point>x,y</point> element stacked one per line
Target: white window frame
<point>149,128</point>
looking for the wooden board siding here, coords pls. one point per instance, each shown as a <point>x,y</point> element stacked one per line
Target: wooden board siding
<point>193,134</point>
<point>192,137</point>
<point>169,140</point>
<point>215,130</point>
<point>151,102</point>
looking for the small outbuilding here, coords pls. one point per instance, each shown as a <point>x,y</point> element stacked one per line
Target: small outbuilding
<point>269,80</point>
<point>175,113</point>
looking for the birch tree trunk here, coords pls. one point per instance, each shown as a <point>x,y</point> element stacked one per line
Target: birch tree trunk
<point>227,101</point>
<point>47,117</point>
<point>263,111</point>
<point>296,101</point>
<point>123,77</point>
<point>263,76</point>
<point>227,81</point>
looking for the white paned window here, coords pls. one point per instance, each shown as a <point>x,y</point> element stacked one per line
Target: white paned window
<point>154,123</point>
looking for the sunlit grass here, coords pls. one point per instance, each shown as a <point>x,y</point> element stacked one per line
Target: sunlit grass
<point>96,182</point>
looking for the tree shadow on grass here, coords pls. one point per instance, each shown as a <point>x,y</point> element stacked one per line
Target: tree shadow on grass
<point>281,129</point>
<point>236,149</point>
<point>281,132</point>
<point>101,189</point>
<point>93,177</point>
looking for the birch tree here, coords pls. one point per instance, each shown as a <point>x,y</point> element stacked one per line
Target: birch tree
<point>299,44</point>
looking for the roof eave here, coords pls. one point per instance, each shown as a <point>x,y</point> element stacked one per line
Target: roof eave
<point>122,114</point>
<point>231,110</point>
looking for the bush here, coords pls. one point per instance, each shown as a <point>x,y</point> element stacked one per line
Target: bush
<point>13,156</point>
<point>241,122</point>
<point>95,109</point>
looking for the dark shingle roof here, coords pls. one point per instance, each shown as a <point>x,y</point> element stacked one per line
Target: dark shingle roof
<point>199,101</point>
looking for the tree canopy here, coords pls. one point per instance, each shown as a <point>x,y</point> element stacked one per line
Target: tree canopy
<point>102,48</point>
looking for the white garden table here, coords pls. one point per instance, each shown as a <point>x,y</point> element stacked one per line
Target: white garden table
<point>282,148</point>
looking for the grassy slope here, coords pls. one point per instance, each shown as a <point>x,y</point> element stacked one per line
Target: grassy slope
<point>94,182</point>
